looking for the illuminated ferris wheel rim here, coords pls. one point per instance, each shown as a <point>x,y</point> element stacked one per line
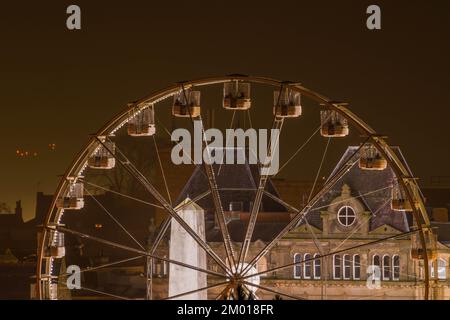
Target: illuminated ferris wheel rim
<point>80,163</point>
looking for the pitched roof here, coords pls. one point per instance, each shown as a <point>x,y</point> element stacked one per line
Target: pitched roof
<point>363,183</point>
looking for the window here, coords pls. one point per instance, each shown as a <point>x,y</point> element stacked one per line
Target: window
<point>442,269</point>
<point>298,266</point>
<point>386,267</point>
<point>377,263</point>
<point>307,266</point>
<point>395,267</point>
<point>356,267</point>
<point>346,216</point>
<point>336,266</point>
<point>347,267</point>
<point>317,270</point>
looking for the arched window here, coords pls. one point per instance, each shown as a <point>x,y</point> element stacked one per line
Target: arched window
<point>395,267</point>
<point>317,270</point>
<point>356,267</point>
<point>386,267</point>
<point>307,266</point>
<point>337,266</point>
<point>347,266</point>
<point>376,263</point>
<point>298,266</point>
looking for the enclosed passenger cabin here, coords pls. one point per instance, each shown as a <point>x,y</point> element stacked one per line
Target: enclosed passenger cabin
<point>371,158</point>
<point>186,104</point>
<point>236,95</point>
<point>333,124</point>
<point>102,158</point>
<point>73,199</point>
<point>141,123</point>
<point>287,104</point>
<point>56,248</point>
<point>400,201</point>
<point>417,250</point>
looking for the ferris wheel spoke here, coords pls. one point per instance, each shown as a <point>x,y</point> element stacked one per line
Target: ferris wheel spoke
<point>100,292</point>
<point>220,214</point>
<point>120,194</point>
<point>140,252</point>
<point>106,265</point>
<point>319,169</point>
<point>299,150</point>
<point>249,118</point>
<point>226,142</point>
<point>221,294</point>
<point>197,290</point>
<point>263,178</point>
<point>311,230</point>
<point>282,202</point>
<point>264,288</point>
<point>171,211</point>
<point>317,257</point>
<point>115,220</point>
<point>345,167</point>
<point>162,170</point>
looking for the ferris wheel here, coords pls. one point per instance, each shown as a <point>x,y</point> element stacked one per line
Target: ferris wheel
<point>128,161</point>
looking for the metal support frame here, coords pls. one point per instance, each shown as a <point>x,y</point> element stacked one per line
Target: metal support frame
<point>277,124</point>
<point>79,164</point>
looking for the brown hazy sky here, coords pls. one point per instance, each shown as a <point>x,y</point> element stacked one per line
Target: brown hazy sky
<point>58,86</point>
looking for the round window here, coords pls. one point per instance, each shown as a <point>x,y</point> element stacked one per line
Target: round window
<point>346,216</point>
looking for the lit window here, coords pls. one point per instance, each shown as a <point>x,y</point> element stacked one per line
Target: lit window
<point>298,266</point>
<point>98,226</point>
<point>337,266</point>
<point>317,270</point>
<point>356,267</point>
<point>442,269</point>
<point>307,266</point>
<point>347,266</point>
<point>346,216</point>
<point>395,267</point>
<point>386,267</point>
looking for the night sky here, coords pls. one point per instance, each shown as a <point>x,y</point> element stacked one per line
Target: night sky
<point>59,86</point>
